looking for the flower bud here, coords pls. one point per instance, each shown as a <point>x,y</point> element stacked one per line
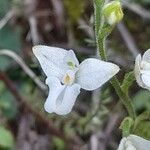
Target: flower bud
<point>112,12</point>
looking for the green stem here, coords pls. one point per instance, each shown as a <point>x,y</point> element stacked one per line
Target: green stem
<point>123,97</point>
<point>97,7</point>
<point>115,83</point>
<point>101,47</point>
<point>100,40</point>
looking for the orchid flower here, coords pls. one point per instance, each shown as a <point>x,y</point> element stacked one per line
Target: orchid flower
<point>133,142</point>
<point>65,76</point>
<point>142,70</point>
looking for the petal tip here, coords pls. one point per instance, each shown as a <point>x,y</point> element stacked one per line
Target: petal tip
<point>47,108</point>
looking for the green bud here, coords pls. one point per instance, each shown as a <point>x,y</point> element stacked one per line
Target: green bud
<point>112,12</point>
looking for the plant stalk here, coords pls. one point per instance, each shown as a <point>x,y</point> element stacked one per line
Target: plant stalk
<point>100,41</point>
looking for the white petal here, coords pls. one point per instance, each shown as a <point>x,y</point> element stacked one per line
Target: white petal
<point>51,59</point>
<point>146,80</point>
<point>146,56</point>
<point>69,99</point>
<point>139,143</point>
<point>61,98</point>
<point>55,89</point>
<point>137,70</point>
<point>93,73</point>
<point>145,65</point>
<point>122,144</point>
<point>71,57</point>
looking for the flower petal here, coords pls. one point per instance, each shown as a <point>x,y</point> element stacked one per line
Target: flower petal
<point>61,98</point>
<point>51,59</point>
<point>139,143</point>
<point>146,56</point>
<point>69,99</point>
<point>145,65</point>
<point>146,80</point>
<point>122,144</point>
<point>55,89</point>
<point>93,73</point>
<point>71,60</point>
<point>137,70</point>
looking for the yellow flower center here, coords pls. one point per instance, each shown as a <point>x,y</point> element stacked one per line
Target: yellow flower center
<point>67,79</point>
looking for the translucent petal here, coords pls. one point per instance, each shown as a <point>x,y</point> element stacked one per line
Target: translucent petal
<point>146,56</point>
<point>51,60</point>
<point>139,143</point>
<point>93,73</point>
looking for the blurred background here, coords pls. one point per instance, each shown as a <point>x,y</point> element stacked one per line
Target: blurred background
<point>94,122</point>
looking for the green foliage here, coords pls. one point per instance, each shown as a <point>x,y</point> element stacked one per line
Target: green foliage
<point>12,38</point>
<point>142,100</point>
<point>127,126</point>
<point>74,9</point>
<point>6,103</point>
<point>99,2</point>
<point>9,37</point>
<point>127,82</point>
<point>4,7</point>
<point>11,41</point>
<point>6,138</point>
<point>142,125</point>
<point>58,143</point>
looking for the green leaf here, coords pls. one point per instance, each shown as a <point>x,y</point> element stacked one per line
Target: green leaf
<point>58,143</point>
<point>6,138</point>
<point>127,82</point>
<point>4,7</point>
<point>6,103</point>
<point>142,100</point>
<point>142,125</point>
<point>127,126</point>
<point>9,39</point>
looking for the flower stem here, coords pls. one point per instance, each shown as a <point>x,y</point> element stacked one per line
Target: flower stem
<point>100,40</point>
<point>98,19</point>
<point>123,97</point>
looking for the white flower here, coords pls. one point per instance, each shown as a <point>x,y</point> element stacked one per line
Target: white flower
<point>133,142</point>
<point>65,77</point>
<point>142,70</point>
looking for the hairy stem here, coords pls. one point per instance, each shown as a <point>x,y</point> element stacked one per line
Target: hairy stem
<point>98,19</point>
<point>100,40</point>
